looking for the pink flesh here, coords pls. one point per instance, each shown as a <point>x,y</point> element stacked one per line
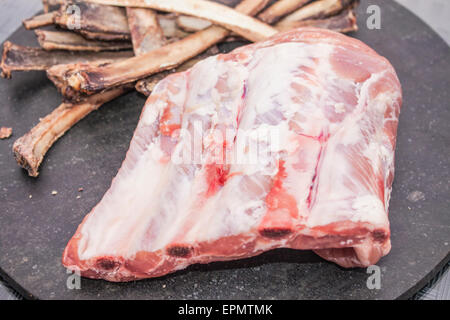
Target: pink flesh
<point>325,185</point>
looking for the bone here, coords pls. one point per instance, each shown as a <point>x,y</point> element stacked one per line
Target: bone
<point>38,21</point>
<point>47,4</point>
<point>192,24</point>
<point>19,58</point>
<point>30,149</point>
<point>244,25</point>
<point>66,40</point>
<point>96,22</point>
<point>343,22</point>
<point>170,28</point>
<point>317,10</point>
<point>146,33</point>
<point>251,8</point>
<point>280,9</point>
<point>146,86</point>
<point>75,82</point>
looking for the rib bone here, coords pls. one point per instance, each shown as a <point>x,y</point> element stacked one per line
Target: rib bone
<point>51,3</point>
<point>170,28</point>
<point>192,24</point>
<point>280,9</point>
<point>343,22</point>
<point>19,58</point>
<point>247,27</point>
<point>146,33</point>
<point>30,149</point>
<point>66,40</point>
<point>317,10</point>
<point>96,18</point>
<point>96,21</point>
<point>74,82</point>
<point>39,21</point>
<point>146,86</point>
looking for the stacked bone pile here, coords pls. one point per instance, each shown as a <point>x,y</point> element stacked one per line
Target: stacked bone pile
<point>97,50</point>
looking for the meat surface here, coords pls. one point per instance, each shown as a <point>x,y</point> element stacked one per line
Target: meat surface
<point>283,143</point>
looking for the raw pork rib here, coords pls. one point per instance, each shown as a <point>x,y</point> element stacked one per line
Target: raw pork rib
<point>332,104</point>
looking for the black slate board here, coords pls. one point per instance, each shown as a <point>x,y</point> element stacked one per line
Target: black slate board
<point>33,232</point>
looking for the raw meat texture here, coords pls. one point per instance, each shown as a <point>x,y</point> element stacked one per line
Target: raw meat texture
<point>323,183</point>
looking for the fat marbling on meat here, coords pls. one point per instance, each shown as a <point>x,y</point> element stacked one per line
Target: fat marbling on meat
<point>296,150</point>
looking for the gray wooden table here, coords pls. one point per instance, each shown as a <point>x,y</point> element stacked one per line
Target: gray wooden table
<point>434,12</point>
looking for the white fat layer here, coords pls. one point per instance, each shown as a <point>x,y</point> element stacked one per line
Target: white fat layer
<point>122,197</point>
<point>348,154</point>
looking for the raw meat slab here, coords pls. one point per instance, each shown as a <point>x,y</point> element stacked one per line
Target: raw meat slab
<point>286,143</point>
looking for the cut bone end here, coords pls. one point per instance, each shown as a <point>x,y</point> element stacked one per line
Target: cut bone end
<point>180,251</point>
<point>25,157</point>
<point>74,81</point>
<point>5,71</point>
<point>275,232</point>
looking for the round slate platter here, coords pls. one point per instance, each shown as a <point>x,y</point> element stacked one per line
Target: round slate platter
<point>34,231</point>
